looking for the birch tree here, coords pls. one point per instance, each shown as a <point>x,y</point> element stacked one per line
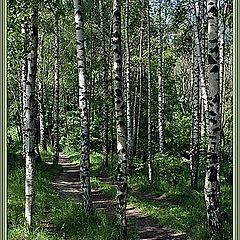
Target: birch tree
<point>149,155</point>
<point>24,78</point>
<point>139,94</point>
<point>195,140</point>
<point>120,118</point>
<point>211,189</point>
<point>222,63</point>
<point>56,91</point>
<point>29,116</point>
<point>199,55</point>
<point>103,75</point>
<point>85,185</point>
<point>128,94</point>
<point>160,80</point>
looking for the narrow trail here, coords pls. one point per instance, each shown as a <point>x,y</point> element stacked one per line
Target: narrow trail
<point>67,184</point>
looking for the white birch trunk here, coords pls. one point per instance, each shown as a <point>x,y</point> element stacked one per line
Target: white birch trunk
<point>149,146</point>
<point>204,94</point>
<point>128,94</point>
<point>85,185</point>
<point>160,81</point>
<point>56,93</point>
<point>211,189</point>
<point>120,119</point>
<point>195,134</point>
<point>29,117</point>
<point>103,76</point>
<point>140,89</point>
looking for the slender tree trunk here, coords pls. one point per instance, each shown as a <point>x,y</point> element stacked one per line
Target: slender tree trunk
<point>211,189</point>
<point>149,155</point>
<point>222,67</point>
<point>24,79</point>
<point>204,95</point>
<point>29,116</point>
<point>85,185</point>
<point>105,88</point>
<point>120,120</point>
<point>160,81</point>
<point>195,140</point>
<point>128,93</point>
<point>135,111</point>
<point>56,93</point>
<point>42,114</point>
<point>42,108</point>
<point>140,88</point>
<point>36,129</point>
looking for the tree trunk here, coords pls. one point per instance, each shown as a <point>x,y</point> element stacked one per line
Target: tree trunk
<point>56,93</point>
<point>120,119</point>
<point>204,94</point>
<point>222,67</point>
<point>128,93</point>
<point>42,108</point>
<point>149,155</point>
<point>195,140</point>
<point>85,185</point>
<point>140,89</point>
<point>24,79</point>
<point>29,116</point>
<point>42,114</point>
<point>105,88</point>
<point>211,189</point>
<point>160,81</point>
<point>135,111</point>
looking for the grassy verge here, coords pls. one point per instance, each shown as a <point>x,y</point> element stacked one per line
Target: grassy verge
<point>54,217</point>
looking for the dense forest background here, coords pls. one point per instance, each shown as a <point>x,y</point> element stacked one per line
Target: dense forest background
<point>141,91</point>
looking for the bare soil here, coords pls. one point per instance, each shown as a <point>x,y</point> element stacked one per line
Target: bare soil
<point>67,184</point>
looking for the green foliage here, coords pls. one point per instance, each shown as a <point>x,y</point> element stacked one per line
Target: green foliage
<point>171,169</point>
<point>177,133</point>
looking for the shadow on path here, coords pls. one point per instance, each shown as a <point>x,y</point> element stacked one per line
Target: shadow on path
<point>67,184</point>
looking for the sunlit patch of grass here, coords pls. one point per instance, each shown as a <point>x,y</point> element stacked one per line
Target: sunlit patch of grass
<point>106,188</point>
<point>47,155</point>
<point>74,156</point>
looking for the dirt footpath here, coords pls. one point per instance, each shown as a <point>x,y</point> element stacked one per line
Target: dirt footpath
<point>67,184</point>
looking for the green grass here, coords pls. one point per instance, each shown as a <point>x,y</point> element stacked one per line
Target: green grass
<point>54,217</point>
<point>181,208</point>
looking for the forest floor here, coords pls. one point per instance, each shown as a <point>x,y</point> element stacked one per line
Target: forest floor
<point>67,184</point>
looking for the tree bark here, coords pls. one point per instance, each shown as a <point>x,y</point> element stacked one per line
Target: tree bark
<point>56,93</point>
<point>149,145</point>
<point>160,81</point>
<point>120,119</point>
<point>222,66</point>
<point>128,93</point>
<point>140,89</point>
<point>85,185</point>
<point>195,133</point>
<point>25,34</point>
<point>211,189</point>
<point>204,94</point>
<point>105,87</point>
<point>29,116</point>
